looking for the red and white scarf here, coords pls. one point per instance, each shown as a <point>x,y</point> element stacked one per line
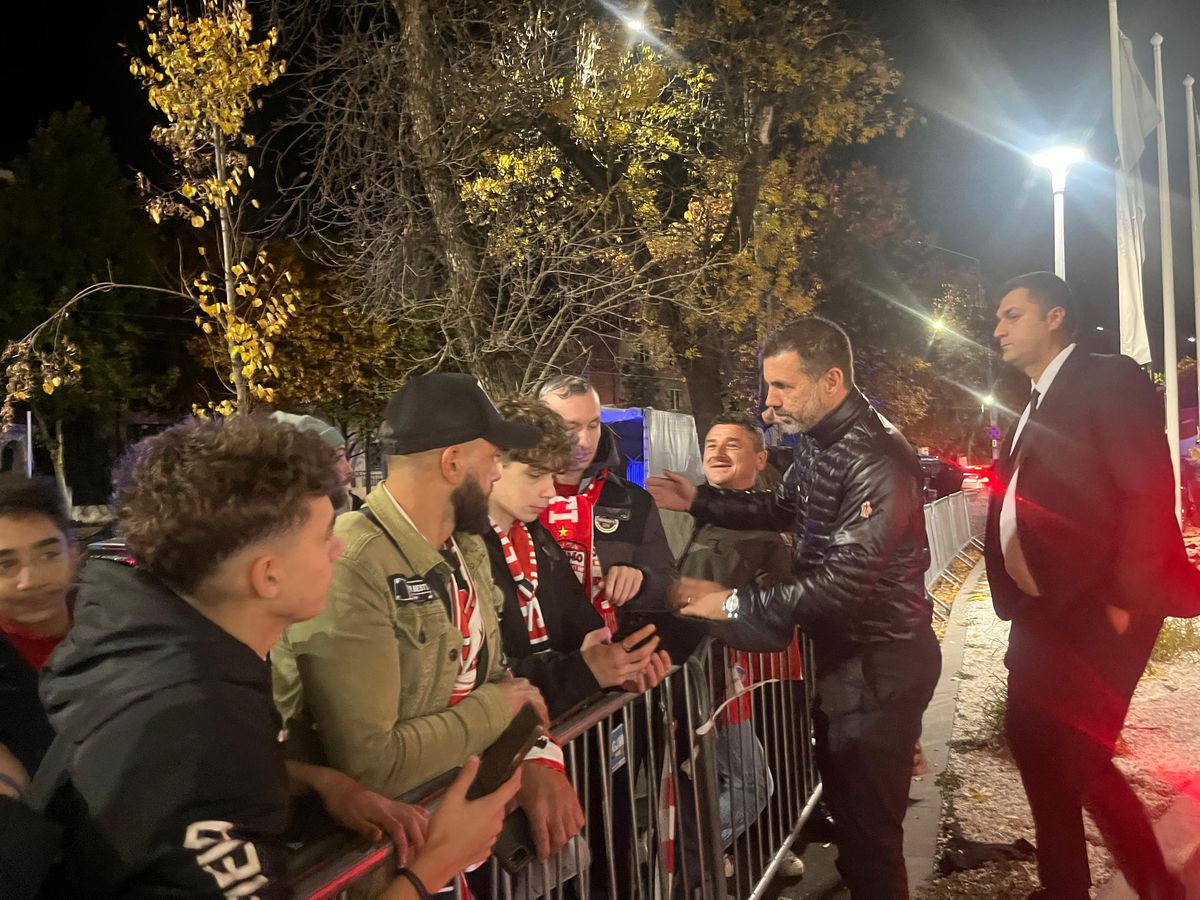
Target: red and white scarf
<point>517,545</point>
<point>464,612</point>
<point>570,520</point>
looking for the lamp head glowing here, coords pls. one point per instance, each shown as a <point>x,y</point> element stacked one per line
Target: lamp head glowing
<point>937,325</point>
<point>1058,160</point>
<point>636,25</point>
<point>989,400</point>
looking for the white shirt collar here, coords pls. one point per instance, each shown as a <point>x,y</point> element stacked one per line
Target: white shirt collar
<point>396,503</point>
<point>1042,385</point>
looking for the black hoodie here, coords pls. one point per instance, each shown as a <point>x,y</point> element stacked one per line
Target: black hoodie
<point>629,529</point>
<point>629,532</point>
<point>177,781</point>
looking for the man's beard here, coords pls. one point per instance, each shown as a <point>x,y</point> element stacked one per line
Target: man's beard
<point>470,508</point>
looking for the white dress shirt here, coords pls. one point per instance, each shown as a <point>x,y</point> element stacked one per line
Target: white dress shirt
<point>1010,539</point>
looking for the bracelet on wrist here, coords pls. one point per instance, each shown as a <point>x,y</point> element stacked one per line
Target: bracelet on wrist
<point>415,880</point>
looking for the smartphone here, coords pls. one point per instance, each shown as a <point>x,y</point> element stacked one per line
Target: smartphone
<point>514,848</point>
<point>636,620</point>
<point>499,761</point>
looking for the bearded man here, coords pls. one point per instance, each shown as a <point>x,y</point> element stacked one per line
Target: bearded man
<point>402,677</point>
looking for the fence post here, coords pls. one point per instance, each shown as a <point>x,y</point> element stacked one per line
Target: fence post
<point>702,749</point>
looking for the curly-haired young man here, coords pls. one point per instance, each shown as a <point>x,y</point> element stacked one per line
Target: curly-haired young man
<point>175,781</point>
<point>552,634</point>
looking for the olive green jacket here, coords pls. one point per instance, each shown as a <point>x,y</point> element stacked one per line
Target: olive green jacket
<point>364,687</point>
<point>735,558</point>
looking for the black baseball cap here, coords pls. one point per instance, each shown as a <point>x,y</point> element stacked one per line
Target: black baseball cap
<point>447,408</point>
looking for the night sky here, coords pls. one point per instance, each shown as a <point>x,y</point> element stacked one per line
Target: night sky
<point>990,80</point>
<point>995,80</point>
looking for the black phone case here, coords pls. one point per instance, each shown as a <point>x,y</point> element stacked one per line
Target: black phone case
<point>514,848</point>
<point>500,760</point>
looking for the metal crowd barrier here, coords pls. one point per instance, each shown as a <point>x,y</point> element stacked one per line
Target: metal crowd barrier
<point>691,790</point>
<point>696,789</point>
<point>948,527</point>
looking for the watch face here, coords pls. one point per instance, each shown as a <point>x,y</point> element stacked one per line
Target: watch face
<point>731,604</point>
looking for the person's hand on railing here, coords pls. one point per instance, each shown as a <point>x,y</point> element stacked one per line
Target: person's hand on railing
<point>518,692</point>
<point>552,806</point>
<point>461,833</point>
<point>614,664</point>
<point>672,491</point>
<point>362,811</point>
<point>622,583</point>
<point>656,669</point>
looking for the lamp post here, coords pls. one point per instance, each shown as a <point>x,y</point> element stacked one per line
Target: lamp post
<point>1059,161</point>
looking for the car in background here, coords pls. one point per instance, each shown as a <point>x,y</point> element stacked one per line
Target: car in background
<point>942,477</point>
<point>113,549</point>
<point>978,478</point>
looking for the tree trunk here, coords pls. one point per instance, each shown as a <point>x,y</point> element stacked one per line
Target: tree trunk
<point>60,462</point>
<point>706,387</point>
<point>56,443</point>
<point>449,218</point>
<point>225,217</point>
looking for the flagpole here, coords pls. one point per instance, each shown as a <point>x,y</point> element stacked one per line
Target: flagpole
<point>1114,49</point>
<point>1194,186</point>
<point>1170,350</point>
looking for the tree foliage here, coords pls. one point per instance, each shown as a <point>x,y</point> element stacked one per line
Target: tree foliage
<point>333,360</point>
<point>203,73</point>
<point>527,180</point>
<point>69,228</point>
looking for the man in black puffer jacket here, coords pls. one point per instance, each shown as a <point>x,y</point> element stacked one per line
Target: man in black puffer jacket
<point>853,499</point>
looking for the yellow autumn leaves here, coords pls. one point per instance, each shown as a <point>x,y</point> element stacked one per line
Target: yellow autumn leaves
<point>201,73</point>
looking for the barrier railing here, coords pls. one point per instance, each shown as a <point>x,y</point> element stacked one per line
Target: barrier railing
<point>708,777</point>
<point>948,528</point>
<point>697,788</point>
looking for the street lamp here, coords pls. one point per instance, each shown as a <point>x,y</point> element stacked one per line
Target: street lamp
<point>1059,160</point>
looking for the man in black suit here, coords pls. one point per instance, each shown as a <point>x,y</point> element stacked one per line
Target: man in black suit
<point>1085,557</point>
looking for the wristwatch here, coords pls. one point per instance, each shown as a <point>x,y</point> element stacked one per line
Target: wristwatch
<point>731,605</point>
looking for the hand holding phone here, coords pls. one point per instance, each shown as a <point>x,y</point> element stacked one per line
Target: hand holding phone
<point>501,759</point>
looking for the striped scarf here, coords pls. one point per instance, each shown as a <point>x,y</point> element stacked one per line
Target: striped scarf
<point>523,567</point>
<point>569,520</point>
<point>467,619</point>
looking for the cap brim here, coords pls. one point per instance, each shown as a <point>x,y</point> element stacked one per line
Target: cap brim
<point>514,435</point>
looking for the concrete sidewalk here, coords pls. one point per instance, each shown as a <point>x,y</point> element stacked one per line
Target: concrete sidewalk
<point>923,822</point>
<point>1159,754</point>
<point>1178,833</point>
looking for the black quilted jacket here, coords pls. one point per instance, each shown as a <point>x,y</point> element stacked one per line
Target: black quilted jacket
<point>853,499</point>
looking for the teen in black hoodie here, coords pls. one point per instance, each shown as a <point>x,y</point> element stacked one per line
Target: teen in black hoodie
<point>176,783</point>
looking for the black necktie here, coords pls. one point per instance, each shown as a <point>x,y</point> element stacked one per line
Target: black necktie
<point>1033,408</point>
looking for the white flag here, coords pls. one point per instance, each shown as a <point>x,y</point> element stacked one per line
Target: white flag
<point>1135,115</point>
